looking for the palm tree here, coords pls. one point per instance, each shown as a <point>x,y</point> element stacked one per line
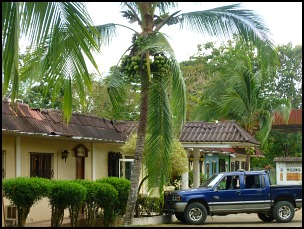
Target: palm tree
<point>161,110</point>
<point>60,35</point>
<point>237,92</point>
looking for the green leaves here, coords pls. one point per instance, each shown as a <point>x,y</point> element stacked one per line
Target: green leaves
<point>59,35</point>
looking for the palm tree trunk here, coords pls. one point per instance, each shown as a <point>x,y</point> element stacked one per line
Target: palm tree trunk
<point>137,166</point>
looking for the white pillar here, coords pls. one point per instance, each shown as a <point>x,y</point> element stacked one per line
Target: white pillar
<point>185,180</point>
<point>185,176</point>
<point>93,161</point>
<point>196,170</point>
<point>18,157</point>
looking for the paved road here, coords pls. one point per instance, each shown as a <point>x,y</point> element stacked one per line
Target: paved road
<point>238,220</point>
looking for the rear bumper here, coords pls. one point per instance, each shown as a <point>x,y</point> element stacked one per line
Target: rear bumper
<point>298,203</point>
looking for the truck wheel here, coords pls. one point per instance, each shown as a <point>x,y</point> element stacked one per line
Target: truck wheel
<point>283,212</point>
<point>265,218</point>
<point>180,216</point>
<point>195,213</point>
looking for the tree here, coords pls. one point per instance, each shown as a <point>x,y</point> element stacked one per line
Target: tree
<point>151,64</point>
<point>58,40</point>
<point>236,92</point>
<point>288,81</point>
<point>60,35</point>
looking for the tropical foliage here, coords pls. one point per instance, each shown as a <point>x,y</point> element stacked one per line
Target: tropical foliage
<point>59,36</point>
<point>61,32</point>
<point>161,116</point>
<point>236,91</point>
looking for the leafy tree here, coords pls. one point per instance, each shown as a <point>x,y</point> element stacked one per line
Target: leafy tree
<point>279,144</point>
<point>236,92</point>
<point>151,63</point>
<point>288,81</point>
<point>60,35</point>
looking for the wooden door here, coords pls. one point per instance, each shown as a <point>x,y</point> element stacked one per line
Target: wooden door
<point>80,175</point>
<point>80,167</point>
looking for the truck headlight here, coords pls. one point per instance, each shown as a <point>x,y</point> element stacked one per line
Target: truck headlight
<point>176,198</point>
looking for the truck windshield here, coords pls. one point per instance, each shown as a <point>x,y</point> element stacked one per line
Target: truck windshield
<point>212,180</point>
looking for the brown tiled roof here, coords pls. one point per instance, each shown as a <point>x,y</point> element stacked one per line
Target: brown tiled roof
<point>227,131</point>
<point>287,159</point>
<point>50,122</point>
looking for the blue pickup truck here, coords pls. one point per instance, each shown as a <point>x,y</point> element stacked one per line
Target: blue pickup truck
<point>233,193</point>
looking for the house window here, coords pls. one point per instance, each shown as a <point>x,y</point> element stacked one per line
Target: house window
<point>113,164</point>
<point>237,165</point>
<point>243,165</point>
<point>222,165</point>
<point>41,165</point>
<point>3,163</point>
<point>125,168</point>
<point>232,166</point>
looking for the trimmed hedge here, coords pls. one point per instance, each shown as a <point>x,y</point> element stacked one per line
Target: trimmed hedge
<point>122,185</point>
<point>24,192</point>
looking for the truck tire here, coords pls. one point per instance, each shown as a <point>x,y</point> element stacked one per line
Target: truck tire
<point>180,216</point>
<point>266,218</point>
<point>195,213</point>
<point>283,212</point>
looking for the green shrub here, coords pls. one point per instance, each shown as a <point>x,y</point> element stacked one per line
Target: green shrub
<point>150,205</point>
<point>122,185</point>
<point>76,201</point>
<point>106,198</point>
<point>24,192</point>
<point>91,204</point>
<point>65,194</point>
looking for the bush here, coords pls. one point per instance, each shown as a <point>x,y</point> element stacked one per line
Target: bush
<point>106,198</point>
<point>62,195</point>
<point>91,204</point>
<point>24,192</point>
<point>149,205</point>
<point>122,185</point>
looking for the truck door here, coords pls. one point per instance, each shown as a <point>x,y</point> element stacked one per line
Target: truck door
<point>227,196</point>
<point>254,192</point>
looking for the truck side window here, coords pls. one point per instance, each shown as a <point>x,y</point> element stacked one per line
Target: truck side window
<point>252,181</point>
<point>263,184</point>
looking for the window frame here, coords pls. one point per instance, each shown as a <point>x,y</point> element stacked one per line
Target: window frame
<point>3,164</point>
<point>42,162</point>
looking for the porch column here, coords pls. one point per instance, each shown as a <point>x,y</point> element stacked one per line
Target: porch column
<point>185,180</point>
<point>185,176</point>
<point>18,157</point>
<point>196,169</point>
<point>93,161</point>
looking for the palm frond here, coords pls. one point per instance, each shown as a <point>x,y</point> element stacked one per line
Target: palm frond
<point>67,101</point>
<point>109,31</point>
<point>10,44</point>
<point>157,43</point>
<point>179,100</point>
<point>159,135</point>
<point>164,7</point>
<point>59,34</point>
<point>223,22</point>
<point>116,89</point>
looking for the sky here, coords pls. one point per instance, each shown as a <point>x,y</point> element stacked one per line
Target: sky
<point>284,20</point>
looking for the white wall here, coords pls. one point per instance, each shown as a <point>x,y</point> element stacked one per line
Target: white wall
<point>289,173</point>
